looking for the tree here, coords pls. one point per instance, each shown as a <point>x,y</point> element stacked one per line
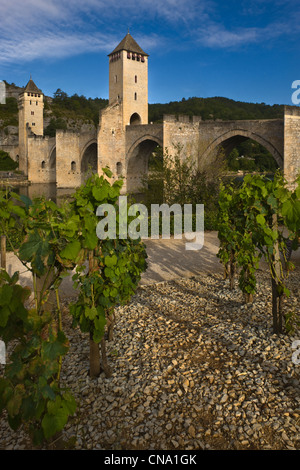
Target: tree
<point>30,388</point>
<point>254,219</point>
<point>59,96</point>
<point>55,124</point>
<point>176,179</point>
<point>115,266</point>
<point>6,162</point>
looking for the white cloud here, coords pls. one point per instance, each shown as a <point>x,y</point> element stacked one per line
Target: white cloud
<point>50,45</point>
<point>32,29</point>
<point>217,36</point>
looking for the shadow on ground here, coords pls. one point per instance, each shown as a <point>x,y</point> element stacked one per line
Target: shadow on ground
<point>167,260</point>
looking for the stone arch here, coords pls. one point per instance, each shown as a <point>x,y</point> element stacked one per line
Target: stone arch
<point>135,119</point>
<point>137,161</point>
<point>145,137</point>
<point>89,159</point>
<point>232,138</point>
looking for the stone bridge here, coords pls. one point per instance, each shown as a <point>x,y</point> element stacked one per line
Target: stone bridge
<point>200,139</point>
<point>67,158</point>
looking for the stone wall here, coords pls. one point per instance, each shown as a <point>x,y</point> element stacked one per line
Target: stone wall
<point>183,132</point>
<point>39,150</point>
<point>111,140</point>
<point>69,150</point>
<point>291,143</point>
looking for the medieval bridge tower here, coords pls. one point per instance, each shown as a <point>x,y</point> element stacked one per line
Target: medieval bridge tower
<point>124,140</point>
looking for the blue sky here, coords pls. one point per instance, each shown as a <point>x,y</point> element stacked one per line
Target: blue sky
<point>246,50</point>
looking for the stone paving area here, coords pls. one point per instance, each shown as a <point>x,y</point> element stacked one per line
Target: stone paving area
<point>193,368</point>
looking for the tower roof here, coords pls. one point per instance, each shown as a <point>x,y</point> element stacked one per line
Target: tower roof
<point>130,45</point>
<point>31,87</point>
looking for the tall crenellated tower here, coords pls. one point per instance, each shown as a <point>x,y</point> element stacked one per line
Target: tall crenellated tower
<point>31,119</point>
<point>128,80</point>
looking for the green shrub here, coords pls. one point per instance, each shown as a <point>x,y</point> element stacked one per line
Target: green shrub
<point>6,162</point>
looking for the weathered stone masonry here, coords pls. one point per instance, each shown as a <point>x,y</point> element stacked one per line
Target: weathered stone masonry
<point>291,143</point>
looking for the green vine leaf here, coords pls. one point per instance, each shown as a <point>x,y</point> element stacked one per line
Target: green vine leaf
<point>71,251</point>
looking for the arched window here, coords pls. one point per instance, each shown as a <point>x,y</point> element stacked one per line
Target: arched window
<point>135,96</point>
<point>73,166</point>
<point>43,165</point>
<point>135,119</point>
<point>135,78</point>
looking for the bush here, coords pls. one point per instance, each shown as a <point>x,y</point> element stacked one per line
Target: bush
<point>6,162</point>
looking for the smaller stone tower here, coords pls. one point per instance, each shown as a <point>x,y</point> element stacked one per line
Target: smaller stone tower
<point>128,80</point>
<point>31,120</point>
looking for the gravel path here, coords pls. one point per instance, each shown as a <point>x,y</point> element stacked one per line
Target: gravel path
<point>193,368</point>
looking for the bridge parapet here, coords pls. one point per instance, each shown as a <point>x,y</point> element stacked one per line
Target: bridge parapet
<point>181,118</point>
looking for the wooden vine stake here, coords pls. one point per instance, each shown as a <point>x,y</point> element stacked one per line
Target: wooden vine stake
<point>276,280</point>
<point>95,368</point>
<point>3,252</point>
<point>95,364</point>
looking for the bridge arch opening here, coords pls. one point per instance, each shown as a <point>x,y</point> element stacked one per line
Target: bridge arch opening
<point>244,151</point>
<point>89,161</point>
<point>248,155</point>
<point>141,160</point>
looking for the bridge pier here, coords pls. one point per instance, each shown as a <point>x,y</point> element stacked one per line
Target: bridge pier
<point>291,143</point>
